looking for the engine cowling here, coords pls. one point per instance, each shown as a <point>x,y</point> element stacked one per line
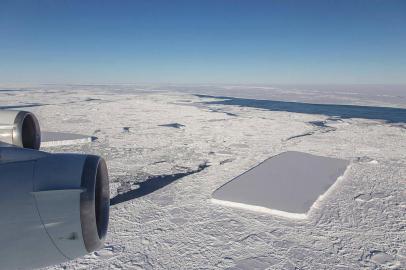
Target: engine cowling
<point>53,207</point>
<point>20,128</point>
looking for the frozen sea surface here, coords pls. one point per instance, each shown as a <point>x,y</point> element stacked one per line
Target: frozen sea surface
<point>287,184</point>
<point>162,178</point>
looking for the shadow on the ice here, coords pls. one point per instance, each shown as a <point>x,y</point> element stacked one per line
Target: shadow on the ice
<point>172,125</point>
<point>152,184</point>
<point>390,115</point>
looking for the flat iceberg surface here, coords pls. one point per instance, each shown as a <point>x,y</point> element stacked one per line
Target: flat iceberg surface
<point>49,138</point>
<point>289,182</point>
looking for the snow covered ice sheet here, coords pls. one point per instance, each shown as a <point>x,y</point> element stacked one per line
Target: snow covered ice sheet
<point>359,224</point>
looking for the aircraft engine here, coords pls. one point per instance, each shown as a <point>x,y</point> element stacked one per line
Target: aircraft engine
<point>20,128</point>
<point>54,207</point>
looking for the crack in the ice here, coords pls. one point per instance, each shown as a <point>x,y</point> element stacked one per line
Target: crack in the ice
<point>320,127</point>
<point>221,111</point>
<point>22,106</point>
<point>300,135</point>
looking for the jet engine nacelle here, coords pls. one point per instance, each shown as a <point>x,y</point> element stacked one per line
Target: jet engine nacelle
<point>20,128</point>
<point>53,207</point>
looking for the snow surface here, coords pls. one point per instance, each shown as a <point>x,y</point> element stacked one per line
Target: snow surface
<point>287,184</point>
<point>360,223</point>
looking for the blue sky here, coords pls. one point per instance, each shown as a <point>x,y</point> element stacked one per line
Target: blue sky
<point>221,41</point>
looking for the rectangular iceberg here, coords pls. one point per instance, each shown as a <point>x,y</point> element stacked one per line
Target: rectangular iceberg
<point>287,184</point>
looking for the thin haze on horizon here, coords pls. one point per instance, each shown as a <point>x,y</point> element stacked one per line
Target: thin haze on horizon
<point>203,41</point>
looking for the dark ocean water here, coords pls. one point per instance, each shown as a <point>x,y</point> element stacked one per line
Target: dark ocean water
<point>387,114</point>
